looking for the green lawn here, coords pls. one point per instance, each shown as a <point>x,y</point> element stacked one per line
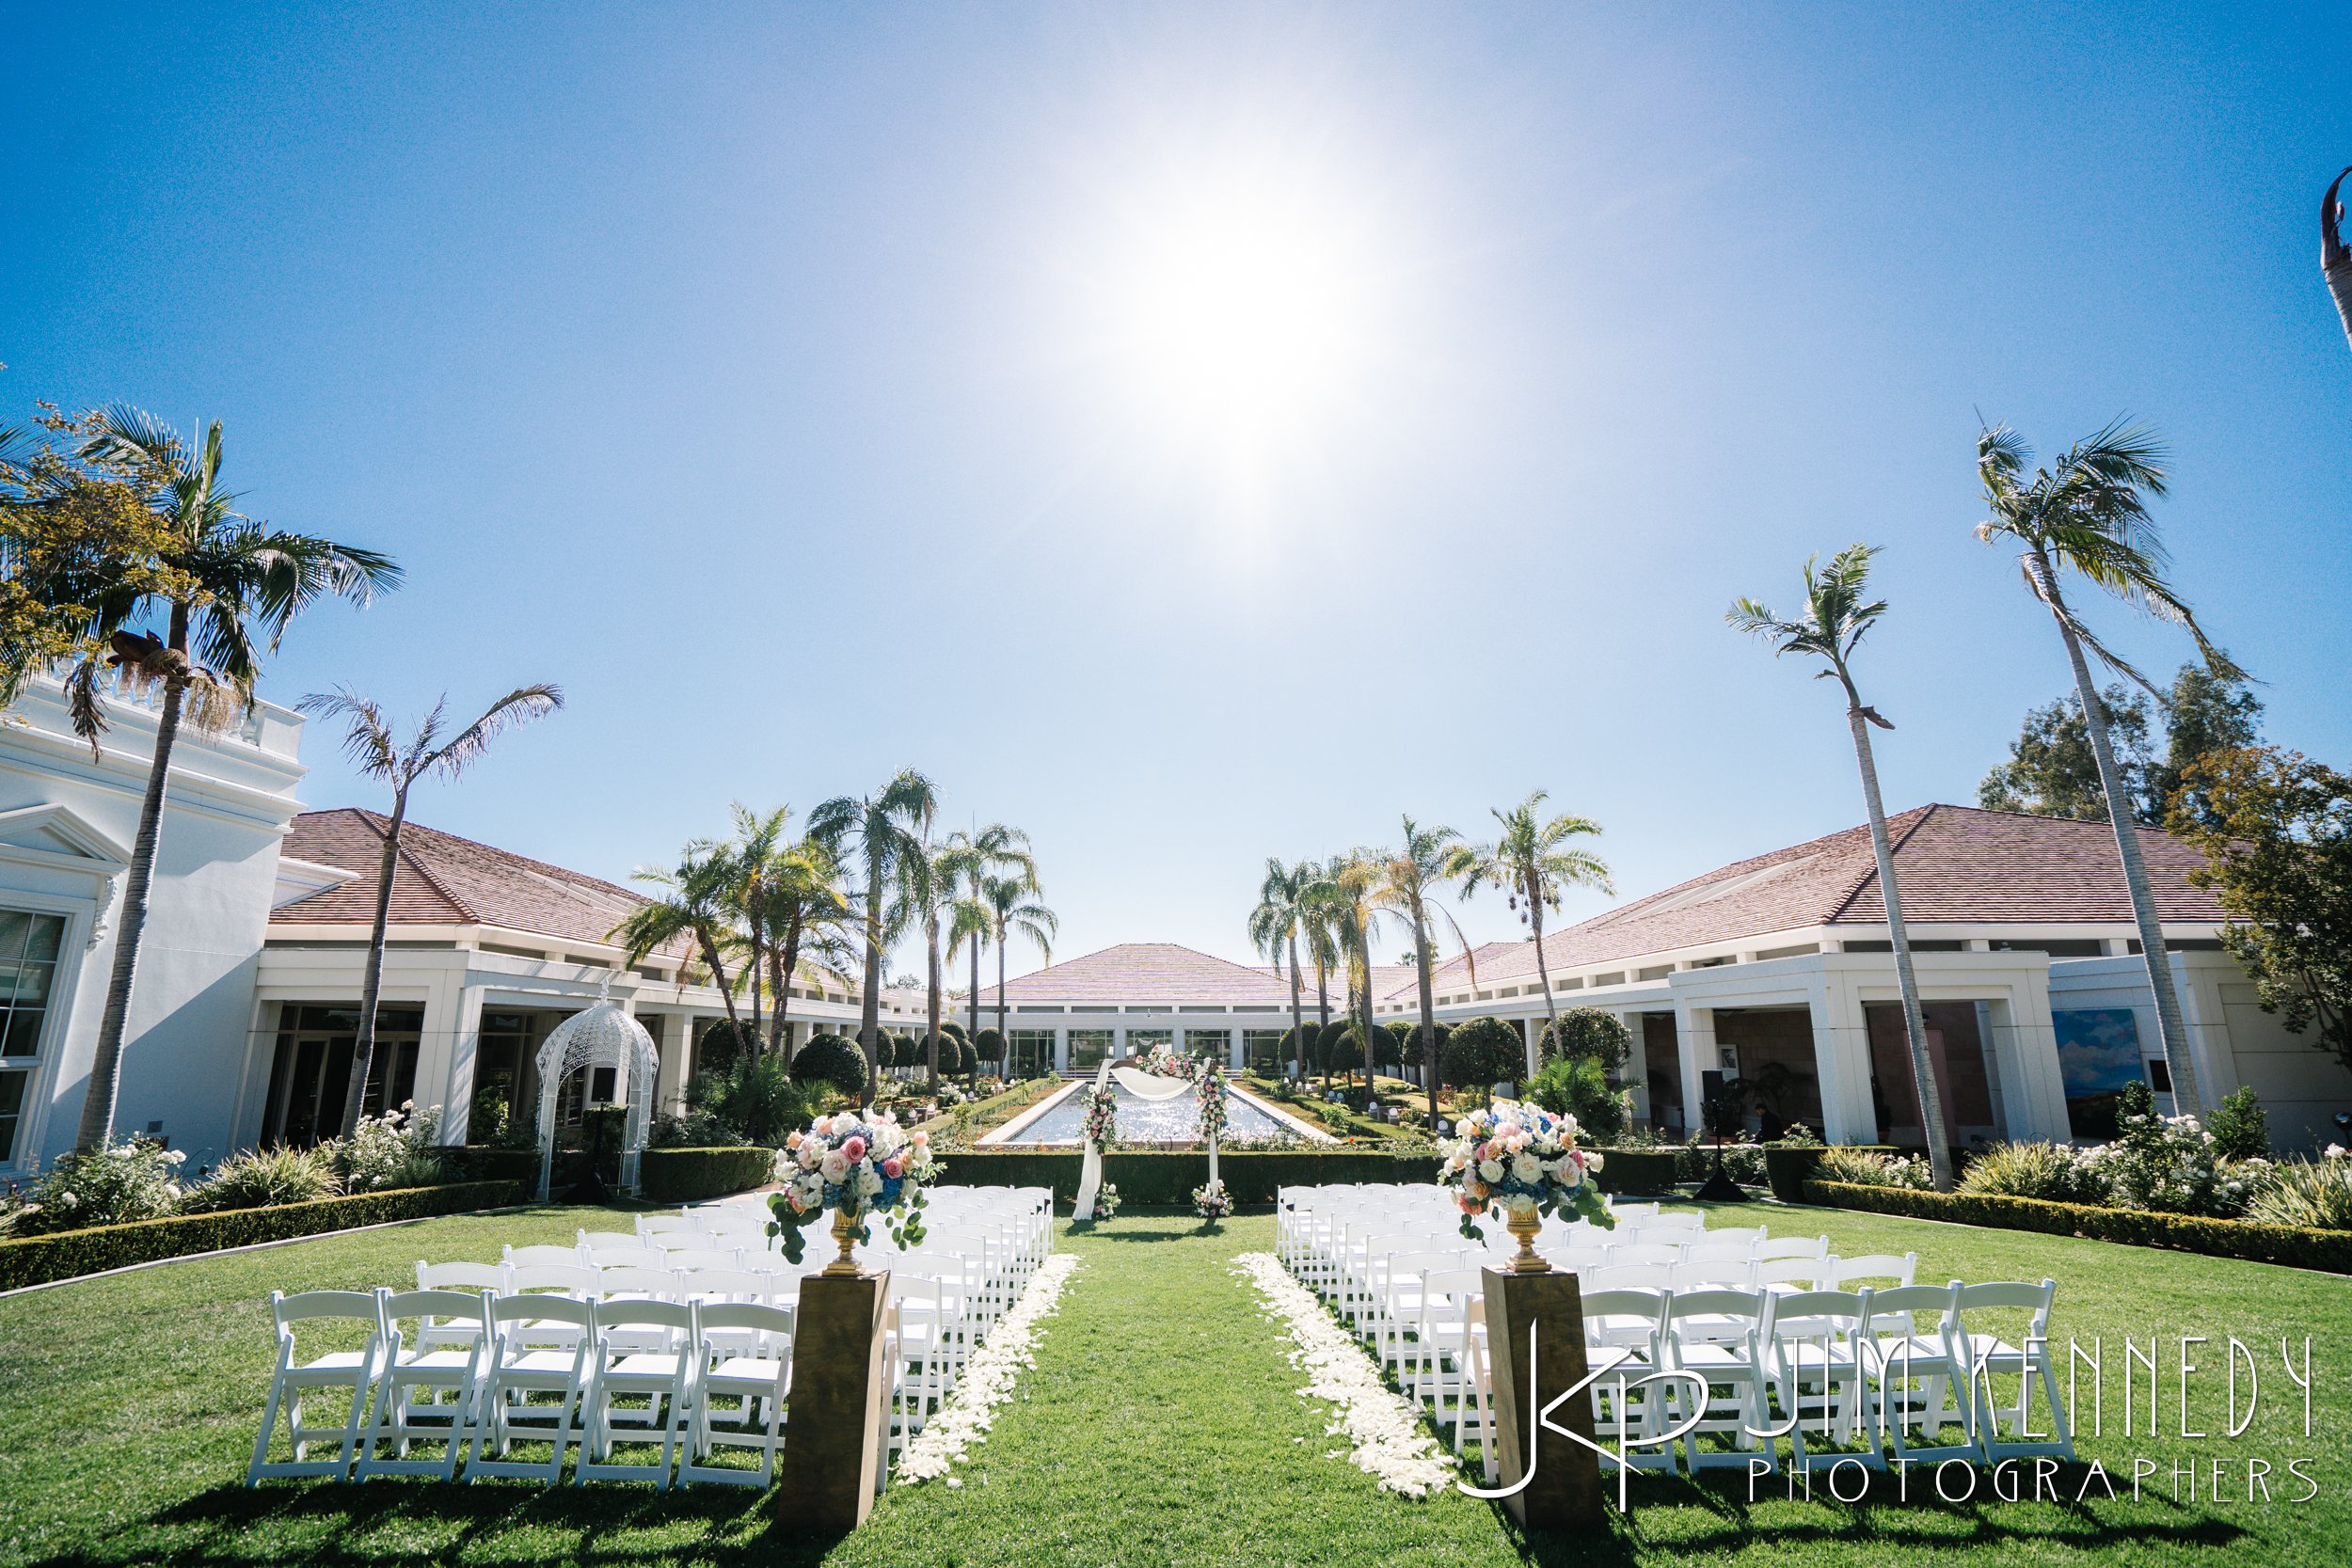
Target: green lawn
<point>1160,1426</point>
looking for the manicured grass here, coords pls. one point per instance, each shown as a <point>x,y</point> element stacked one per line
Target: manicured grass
<point>1159,1426</point>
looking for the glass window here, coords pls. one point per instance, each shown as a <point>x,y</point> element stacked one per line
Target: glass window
<point>28,965</point>
<point>1088,1047</point>
<point>1032,1051</point>
<point>11,1110</point>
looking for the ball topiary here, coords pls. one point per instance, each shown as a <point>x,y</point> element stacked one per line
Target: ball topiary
<point>1482,1051</point>
<point>990,1044</point>
<point>831,1061</point>
<point>1587,1034</point>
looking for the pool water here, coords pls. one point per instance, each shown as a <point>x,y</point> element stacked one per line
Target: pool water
<point>1176,1120</point>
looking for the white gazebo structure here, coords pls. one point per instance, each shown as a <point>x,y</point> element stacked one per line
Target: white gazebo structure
<point>604,1035</point>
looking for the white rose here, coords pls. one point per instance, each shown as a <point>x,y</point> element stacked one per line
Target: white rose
<point>868,1183</point>
<point>1528,1169</point>
<point>834,1165</point>
<point>1490,1171</point>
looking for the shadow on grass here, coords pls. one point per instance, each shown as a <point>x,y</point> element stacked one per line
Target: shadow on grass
<point>411,1521</point>
<point>1883,1524</point>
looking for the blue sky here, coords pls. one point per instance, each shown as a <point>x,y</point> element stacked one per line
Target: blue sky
<point>813,391</point>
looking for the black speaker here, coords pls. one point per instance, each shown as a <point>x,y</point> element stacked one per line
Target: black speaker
<point>1710,1085</point>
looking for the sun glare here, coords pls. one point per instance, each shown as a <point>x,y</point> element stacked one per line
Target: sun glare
<point>1240,307</point>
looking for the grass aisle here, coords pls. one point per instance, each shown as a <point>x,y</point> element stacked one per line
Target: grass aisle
<point>1162,1425</point>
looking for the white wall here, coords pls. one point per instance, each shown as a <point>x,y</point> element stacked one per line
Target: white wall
<point>229,801</point>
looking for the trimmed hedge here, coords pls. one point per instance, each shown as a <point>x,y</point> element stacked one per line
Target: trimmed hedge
<point>488,1162</point>
<point>1638,1172</point>
<point>1167,1177</point>
<point>689,1175</point>
<point>2328,1250</point>
<point>65,1254</point>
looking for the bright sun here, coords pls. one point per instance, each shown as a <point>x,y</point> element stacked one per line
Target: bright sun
<point>1240,307</point>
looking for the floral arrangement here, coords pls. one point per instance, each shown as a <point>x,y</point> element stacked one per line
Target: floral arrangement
<point>1211,1201</point>
<point>854,1168</point>
<point>1101,1118</point>
<point>1522,1160</point>
<point>1209,1084</point>
<point>1163,1062</point>
<point>1105,1201</point>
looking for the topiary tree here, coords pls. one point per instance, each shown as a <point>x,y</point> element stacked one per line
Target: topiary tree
<point>1327,1037</point>
<point>991,1046</point>
<point>1395,1047</point>
<point>1482,1052</point>
<point>830,1061</point>
<point>725,1043</point>
<point>1588,1033</point>
<point>1290,1050</point>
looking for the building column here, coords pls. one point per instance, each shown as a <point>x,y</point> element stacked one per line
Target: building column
<point>453,1014</point>
<point>1233,1051</point>
<point>1841,1062</point>
<point>1694,1048</point>
<point>677,1044</point>
<point>1119,1041</point>
<point>1061,1048</point>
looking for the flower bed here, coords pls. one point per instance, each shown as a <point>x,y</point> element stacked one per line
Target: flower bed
<point>689,1175</point>
<point>2329,1250</point>
<point>67,1254</point>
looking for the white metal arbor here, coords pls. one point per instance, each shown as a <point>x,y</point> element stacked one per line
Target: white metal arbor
<point>603,1036</point>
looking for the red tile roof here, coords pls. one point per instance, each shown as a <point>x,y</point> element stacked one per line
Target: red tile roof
<point>1144,972</point>
<point>442,879</point>
<point>1957,865</point>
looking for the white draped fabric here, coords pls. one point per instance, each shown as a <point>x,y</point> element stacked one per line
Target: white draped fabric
<point>1090,1173</point>
<point>604,1035</point>
<point>1150,1086</point>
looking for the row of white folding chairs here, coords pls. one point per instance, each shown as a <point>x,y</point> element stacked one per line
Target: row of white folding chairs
<point>472,1371</point>
<point>1881,1363</point>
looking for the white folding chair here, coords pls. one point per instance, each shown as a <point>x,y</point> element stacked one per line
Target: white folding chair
<point>472,1279</point>
<point>541,1257</point>
<point>685,1259</point>
<point>743,1367</point>
<point>1719,1335</point>
<point>426,1389</point>
<point>302,1372</point>
<point>1633,1253</point>
<point>520,1371</point>
<point>1624,1327</point>
<point>595,1240</point>
<point>1817,1345</point>
<point>1881,1270</point>
<point>1990,1358</point>
<point>622,1368</point>
<point>636,1254</point>
<point>1901,1352</point>
<point>1793,1247</point>
<point>574,1279</point>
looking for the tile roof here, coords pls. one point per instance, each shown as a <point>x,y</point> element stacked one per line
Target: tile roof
<point>1144,972</point>
<point>1957,864</point>
<point>442,879</point>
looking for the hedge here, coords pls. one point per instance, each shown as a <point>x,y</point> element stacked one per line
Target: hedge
<point>1789,1167</point>
<point>2328,1250</point>
<point>1169,1175</point>
<point>492,1163</point>
<point>686,1175</point>
<point>1638,1172</point>
<point>67,1253</point>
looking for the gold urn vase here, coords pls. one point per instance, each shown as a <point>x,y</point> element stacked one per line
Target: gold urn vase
<point>1526,1227</point>
<point>846,1227</point>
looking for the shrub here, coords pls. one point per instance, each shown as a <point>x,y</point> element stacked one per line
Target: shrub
<point>1862,1167</point>
<point>388,1151</point>
<point>1482,1051</point>
<point>1579,1087</point>
<point>1328,1043</point>
<point>990,1044</point>
<point>2169,1165</point>
<point>1742,1162</point>
<point>1638,1172</point>
<point>2057,1173</point>
<point>1344,1050</point>
<point>261,1178</point>
<point>751,1101</point>
<point>134,1180</point>
<point>830,1061</point>
<point>2240,1127</point>
<point>725,1040</point>
<point>1588,1033</point>
<point>2315,1195</point>
<point>492,1109</point>
<point>1158,1177</point>
<point>690,1174</point>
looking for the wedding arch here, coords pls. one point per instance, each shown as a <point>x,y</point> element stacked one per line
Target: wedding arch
<point>603,1036</point>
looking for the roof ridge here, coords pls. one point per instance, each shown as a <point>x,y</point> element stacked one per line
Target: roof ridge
<point>1918,816</point>
<point>402,852</point>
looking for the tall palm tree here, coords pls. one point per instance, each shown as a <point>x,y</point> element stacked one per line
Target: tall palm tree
<point>1405,882</point>
<point>1011,909</point>
<point>752,868</point>
<point>2335,256</point>
<point>693,907</point>
<point>1834,619</point>
<point>1274,931</point>
<point>880,830</point>
<point>2088,514</point>
<point>223,587</point>
<point>377,753</point>
<point>1345,899</point>
<point>806,915</point>
<point>974,858</point>
<point>925,891</point>
<point>1316,924</point>
<point>1532,862</point>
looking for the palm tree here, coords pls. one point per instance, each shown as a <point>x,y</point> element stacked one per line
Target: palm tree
<point>1531,861</point>
<point>881,829</point>
<point>973,859</point>
<point>752,868</point>
<point>1011,910</point>
<point>2335,256</point>
<point>1835,621</point>
<point>694,907</point>
<point>927,881</point>
<point>2088,513</point>
<point>1274,931</point>
<point>1344,899</point>
<point>1405,882</point>
<point>805,912</point>
<point>1316,925</point>
<point>373,748</point>
<point>224,588</point>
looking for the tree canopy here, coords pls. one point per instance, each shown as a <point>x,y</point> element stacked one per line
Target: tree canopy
<point>2052,773</point>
